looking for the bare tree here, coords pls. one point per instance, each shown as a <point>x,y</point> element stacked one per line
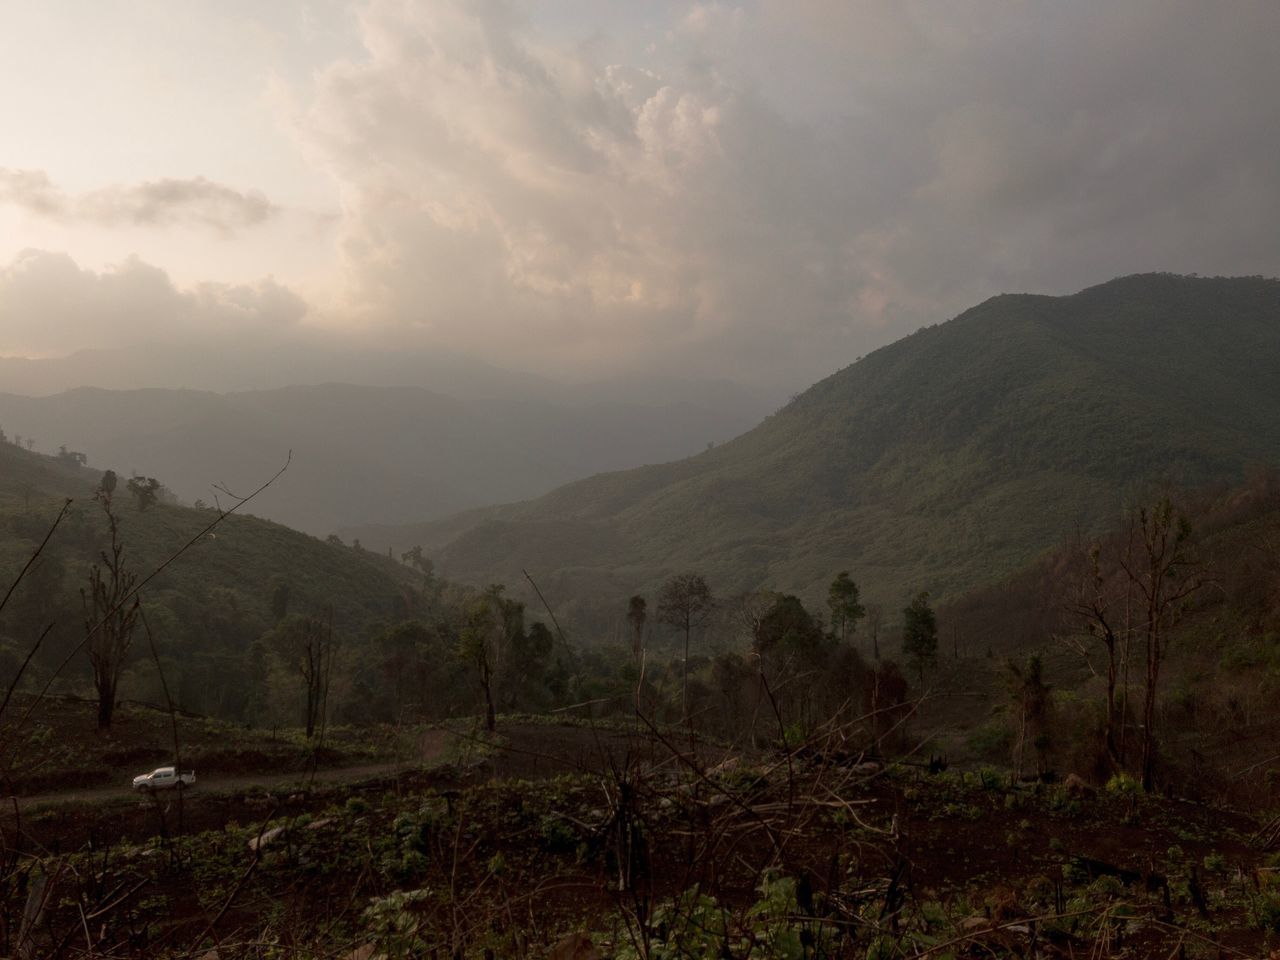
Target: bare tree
<point>685,602</point>
<point>493,625</point>
<point>637,617</point>
<point>306,645</point>
<point>750,611</point>
<point>1165,574</point>
<point>1097,596</point>
<point>1030,698</point>
<point>110,611</point>
<point>126,597</point>
<point>875,621</point>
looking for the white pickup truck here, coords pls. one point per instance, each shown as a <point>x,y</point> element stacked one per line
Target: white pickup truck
<point>163,778</point>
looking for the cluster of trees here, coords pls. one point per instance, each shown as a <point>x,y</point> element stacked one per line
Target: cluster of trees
<point>781,671</point>
<point>1122,602</point>
<point>270,654</point>
<point>455,650</point>
<point>72,457</point>
<point>272,658</point>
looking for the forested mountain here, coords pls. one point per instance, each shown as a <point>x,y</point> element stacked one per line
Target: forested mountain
<point>366,454</point>
<point>941,461</point>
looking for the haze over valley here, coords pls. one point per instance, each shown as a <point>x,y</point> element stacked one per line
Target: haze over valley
<point>365,454</point>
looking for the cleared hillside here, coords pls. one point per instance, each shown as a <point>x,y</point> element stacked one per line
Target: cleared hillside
<point>941,461</point>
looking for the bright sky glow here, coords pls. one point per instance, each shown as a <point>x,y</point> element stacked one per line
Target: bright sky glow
<point>759,191</point>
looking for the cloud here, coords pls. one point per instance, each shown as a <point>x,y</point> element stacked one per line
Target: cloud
<point>786,185</point>
<point>47,302</point>
<point>33,191</point>
<point>166,202</point>
<point>501,190</point>
<point>758,191</point>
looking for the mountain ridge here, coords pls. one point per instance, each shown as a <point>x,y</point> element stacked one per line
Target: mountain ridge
<point>939,461</point>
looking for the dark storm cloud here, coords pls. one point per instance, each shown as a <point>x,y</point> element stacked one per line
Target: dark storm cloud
<point>786,185</point>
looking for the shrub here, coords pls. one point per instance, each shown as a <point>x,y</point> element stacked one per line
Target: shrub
<point>557,835</point>
<point>1124,785</point>
<point>1264,907</point>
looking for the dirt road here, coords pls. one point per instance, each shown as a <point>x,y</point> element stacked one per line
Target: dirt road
<point>432,747</point>
<point>214,785</point>
<point>68,819</point>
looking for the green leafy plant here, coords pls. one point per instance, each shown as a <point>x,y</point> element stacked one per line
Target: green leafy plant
<point>1124,785</point>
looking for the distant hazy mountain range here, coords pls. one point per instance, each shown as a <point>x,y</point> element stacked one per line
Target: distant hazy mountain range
<point>368,454</point>
<point>939,462</point>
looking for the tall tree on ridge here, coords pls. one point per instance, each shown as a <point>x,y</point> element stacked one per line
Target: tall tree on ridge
<point>843,602</point>
<point>1165,574</point>
<point>920,634</point>
<point>306,645</point>
<point>684,603</point>
<point>637,616</point>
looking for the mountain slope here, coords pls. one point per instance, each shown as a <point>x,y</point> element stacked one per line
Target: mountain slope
<point>940,461</point>
<point>362,454</point>
<point>207,610</point>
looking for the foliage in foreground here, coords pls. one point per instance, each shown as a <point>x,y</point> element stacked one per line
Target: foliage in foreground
<point>777,855</point>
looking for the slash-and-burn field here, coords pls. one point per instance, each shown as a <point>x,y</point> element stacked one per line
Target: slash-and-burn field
<point>574,841</point>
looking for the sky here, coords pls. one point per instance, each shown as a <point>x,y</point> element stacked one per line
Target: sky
<point>758,192</point>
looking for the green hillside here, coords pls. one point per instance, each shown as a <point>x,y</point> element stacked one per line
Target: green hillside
<point>941,461</point>
<point>26,478</point>
<point>207,609</point>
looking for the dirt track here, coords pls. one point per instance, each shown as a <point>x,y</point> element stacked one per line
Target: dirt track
<point>213,785</point>
<point>68,818</point>
<point>528,750</point>
<point>432,748</point>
